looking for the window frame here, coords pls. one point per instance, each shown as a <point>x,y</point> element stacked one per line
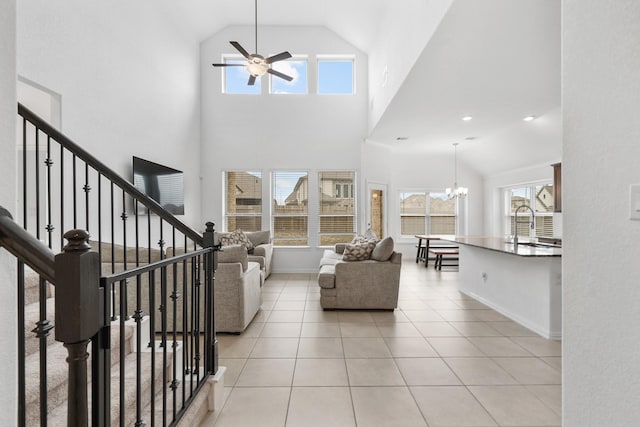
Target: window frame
<point>508,216</point>
<point>339,190</point>
<point>427,215</point>
<point>294,58</point>
<point>304,242</point>
<point>225,210</point>
<point>237,58</point>
<point>336,58</point>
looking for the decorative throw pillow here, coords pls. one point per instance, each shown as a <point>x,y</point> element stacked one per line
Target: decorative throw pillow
<point>226,239</point>
<point>367,236</point>
<point>383,250</point>
<point>358,251</point>
<point>241,238</point>
<point>370,234</point>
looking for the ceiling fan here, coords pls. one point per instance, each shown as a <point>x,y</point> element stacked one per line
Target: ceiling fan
<point>258,65</point>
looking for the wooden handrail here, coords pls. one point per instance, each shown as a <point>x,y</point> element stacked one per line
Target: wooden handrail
<point>108,173</point>
<point>25,247</point>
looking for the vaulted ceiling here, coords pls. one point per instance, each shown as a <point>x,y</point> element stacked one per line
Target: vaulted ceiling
<point>495,60</point>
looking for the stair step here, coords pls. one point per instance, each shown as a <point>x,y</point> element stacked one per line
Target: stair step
<point>57,372</point>
<point>58,416</point>
<point>31,318</point>
<point>32,287</point>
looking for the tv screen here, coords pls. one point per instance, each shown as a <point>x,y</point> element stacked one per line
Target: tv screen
<point>163,184</point>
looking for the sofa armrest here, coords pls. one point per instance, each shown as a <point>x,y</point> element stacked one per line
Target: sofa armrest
<point>264,251</point>
<point>257,258</point>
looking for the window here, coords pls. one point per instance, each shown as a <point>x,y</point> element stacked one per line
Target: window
<point>336,75</point>
<point>337,207</point>
<point>296,68</point>
<point>243,200</point>
<point>427,213</point>
<point>539,197</point>
<point>236,78</point>
<point>290,200</point>
<point>442,214</point>
<point>413,208</point>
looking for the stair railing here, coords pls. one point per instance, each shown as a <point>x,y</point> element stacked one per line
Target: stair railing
<point>157,275</point>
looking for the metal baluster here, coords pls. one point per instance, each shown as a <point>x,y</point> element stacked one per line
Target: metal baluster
<point>123,401</point>
<point>25,192</point>
<point>175,295</point>
<point>62,228</point>
<point>185,309</point>
<point>42,329</point>
<point>22,406</point>
<point>49,163</point>
<point>87,190</point>
<point>124,311</point>
<point>75,192</point>
<point>138,315</point>
<point>152,332</point>
<point>37,189</point>
<point>113,267</point>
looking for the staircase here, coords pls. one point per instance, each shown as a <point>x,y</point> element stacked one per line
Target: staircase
<point>95,345</point>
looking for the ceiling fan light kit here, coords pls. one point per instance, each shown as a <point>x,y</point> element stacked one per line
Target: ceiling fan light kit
<point>257,65</point>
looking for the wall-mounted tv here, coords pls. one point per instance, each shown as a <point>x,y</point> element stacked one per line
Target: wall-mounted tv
<point>163,184</point>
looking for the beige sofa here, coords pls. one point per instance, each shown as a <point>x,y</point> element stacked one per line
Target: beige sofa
<point>366,284</point>
<point>238,294</point>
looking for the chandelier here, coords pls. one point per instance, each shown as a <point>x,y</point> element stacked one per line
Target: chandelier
<point>456,191</point>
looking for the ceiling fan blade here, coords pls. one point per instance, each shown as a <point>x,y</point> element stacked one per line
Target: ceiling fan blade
<point>279,74</point>
<point>229,65</point>
<point>241,49</point>
<point>278,57</point>
<point>252,80</point>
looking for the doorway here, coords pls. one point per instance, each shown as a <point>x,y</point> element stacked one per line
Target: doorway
<point>376,212</point>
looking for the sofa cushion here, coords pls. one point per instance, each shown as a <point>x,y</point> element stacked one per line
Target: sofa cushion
<point>259,237</point>
<point>383,250</point>
<point>358,251</point>
<point>327,277</point>
<point>234,253</point>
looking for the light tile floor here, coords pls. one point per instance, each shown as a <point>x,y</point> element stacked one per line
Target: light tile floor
<point>440,359</point>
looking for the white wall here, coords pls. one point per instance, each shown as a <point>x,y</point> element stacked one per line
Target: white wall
<point>287,132</point>
<point>412,23</point>
<point>8,311</point>
<point>128,81</point>
<point>600,92</point>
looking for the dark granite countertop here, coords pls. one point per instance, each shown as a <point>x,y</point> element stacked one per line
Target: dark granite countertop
<point>500,244</point>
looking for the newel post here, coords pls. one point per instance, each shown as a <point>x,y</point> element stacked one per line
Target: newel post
<point>77,315</point>
<point>210,240</point>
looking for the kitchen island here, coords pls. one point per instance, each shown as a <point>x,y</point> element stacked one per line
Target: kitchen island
<point>523,282</point>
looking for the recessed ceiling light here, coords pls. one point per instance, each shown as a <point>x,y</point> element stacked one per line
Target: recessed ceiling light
<point>470,138</point>
<point>529,118</point>
<point>402,138</point>
<point>467,118</point>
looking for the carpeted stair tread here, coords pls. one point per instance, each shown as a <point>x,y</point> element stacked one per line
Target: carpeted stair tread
<point>57,371</point>
<point>58,416</point>
<point>32,287</point>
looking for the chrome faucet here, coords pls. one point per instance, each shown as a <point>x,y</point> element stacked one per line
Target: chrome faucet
<point>533,219</point>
